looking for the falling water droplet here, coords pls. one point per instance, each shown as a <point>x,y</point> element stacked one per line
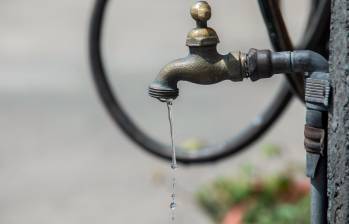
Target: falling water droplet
<point>174,166</point>
<point>173,205</point>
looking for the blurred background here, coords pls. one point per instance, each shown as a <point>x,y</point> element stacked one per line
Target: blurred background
<point>62,159</point>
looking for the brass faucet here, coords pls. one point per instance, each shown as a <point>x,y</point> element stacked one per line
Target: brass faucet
<point>204,65</point>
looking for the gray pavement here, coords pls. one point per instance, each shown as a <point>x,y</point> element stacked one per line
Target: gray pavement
<point>62,160</point>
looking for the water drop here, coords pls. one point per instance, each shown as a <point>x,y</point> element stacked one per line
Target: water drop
<point>173,205</point>
<point>174,166</point>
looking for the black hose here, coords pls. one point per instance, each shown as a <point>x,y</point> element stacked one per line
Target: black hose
<point>280,39</point>
<point>317,33</point>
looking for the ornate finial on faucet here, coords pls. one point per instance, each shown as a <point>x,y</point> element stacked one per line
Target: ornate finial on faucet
<point>201,12</point>
<point>201,35</point>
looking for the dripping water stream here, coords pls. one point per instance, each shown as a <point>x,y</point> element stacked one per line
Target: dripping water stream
<point>174,166</point>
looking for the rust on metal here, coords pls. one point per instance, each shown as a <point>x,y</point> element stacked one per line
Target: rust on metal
<point>314,139</point>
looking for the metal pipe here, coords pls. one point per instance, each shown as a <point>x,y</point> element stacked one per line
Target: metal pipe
<point>264,63</point>
<point>317,172</point>
<point>315,132</point>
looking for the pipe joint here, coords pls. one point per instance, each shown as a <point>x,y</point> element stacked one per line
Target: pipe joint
<point>264,63</point>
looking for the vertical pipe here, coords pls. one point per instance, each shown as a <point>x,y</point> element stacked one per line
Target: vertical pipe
<point>318,171</point>
<point>319,193</point>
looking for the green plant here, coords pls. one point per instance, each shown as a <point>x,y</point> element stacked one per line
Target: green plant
<point>271,200</point>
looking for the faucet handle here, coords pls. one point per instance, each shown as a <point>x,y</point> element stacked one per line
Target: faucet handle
<point>201,35</point>
<point>201,12</point>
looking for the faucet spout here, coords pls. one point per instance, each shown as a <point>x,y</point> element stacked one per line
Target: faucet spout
<point>204,66</point>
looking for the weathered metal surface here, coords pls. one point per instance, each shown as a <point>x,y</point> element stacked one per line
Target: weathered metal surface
<point>259,64</point>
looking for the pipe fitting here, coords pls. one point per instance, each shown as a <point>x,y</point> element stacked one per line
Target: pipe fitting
<point>264,63</point>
